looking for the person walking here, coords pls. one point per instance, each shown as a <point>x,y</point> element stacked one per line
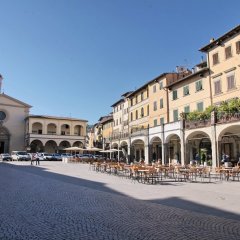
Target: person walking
<point>32,158</point>
<point>37,159</point>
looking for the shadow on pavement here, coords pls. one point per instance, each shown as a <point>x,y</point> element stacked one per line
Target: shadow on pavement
<point>175,202</point>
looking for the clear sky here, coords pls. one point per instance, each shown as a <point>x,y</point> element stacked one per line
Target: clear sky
<point>76,58</point>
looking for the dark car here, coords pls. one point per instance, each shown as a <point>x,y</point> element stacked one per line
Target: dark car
<point>56,157</point>
<point>5,157</point>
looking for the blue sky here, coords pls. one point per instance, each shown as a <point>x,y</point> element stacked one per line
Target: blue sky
<point>76,58</point>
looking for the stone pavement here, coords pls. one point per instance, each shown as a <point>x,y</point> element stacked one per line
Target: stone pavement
<point>67,201</point>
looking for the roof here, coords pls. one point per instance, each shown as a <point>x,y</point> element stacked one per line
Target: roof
<point>58,118</point>
<point>116,103</point>
<point>15,100</point>
<point>189,76</point>
<point>221,39</point>
<point>105,119</point>
<point>146,84</point>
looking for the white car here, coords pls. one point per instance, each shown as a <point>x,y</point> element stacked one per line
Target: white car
<point>20,156</point>
<point>44,156</point>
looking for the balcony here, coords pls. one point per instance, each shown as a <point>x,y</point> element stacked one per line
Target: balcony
<point>224,117</point>
<point>54,136</point>
<point>197,124</point>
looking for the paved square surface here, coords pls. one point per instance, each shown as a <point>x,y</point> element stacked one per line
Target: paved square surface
<point>68,201</point>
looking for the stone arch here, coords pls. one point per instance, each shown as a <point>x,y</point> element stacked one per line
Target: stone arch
<point>137,151</point>
<point>172,149</point>
<point>65,129</point>
<point>228,140</point>
<point>63,144</point>
<point>78,130</point>
<point>78,144</point>
<point>155,149</point>
<point>198,147</point>
<point>51,146</point>
<point>36,146</point>
<point>52,128</point>
<point>37,128</point>
<point>4,140</point>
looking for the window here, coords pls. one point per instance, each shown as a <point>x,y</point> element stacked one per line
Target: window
<point>161,85</point>
<point>147,110</point>
<point>155,106</point>
<point>174,95</point>
<point>215,59</point>
<point>2,115</point>
<point>161,103</point>
<point>228,52</point>
<point>230,82</point>
<point>238,47</point>
<point>131,102</point>
<point>142,112</point>
<point>131,116</point>
<point>155,122</point>
<point>120,121</point>
<point>154,88</point>
<point>175,115</point>
<point>217,87</point>
<point>200,106</point>
<point>136,114</point>
<point>187,109</point>
<point>161,120</point>
<point>136,99</point>
<point>142,96</point>
<point>117,122</point>
<point>199,85</point>
<point>185,90</point>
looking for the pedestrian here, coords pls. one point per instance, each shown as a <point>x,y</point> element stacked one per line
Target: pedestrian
<point>37,159</point>
<point>32,158</point>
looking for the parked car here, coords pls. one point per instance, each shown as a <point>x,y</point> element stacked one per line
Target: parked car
<point>56,157</point>
<point>20,156</point>
<point>5,157</point>
<point>66,155</point>
<point>44,156</point>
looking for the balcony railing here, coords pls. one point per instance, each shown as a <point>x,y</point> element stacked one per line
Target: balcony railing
<point>225,117</point>
<point>197,123</point>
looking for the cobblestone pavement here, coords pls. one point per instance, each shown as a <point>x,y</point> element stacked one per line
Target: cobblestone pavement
<point>57,201</point>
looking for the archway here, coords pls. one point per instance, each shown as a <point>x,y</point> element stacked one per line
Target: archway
<point>65,129</point>
<point>137,152</point>
<point>36,146</point>
<point>62,145</point>
<point>37,128</point>
<point>155,149</point>
<point>78,130</point>
<point>78,144</point>
<point>4,140</point>
<point>173,149</point>
<point>52,128</point>
<point>51,146</point>
<point>198,148</point>
<point>229,144</point>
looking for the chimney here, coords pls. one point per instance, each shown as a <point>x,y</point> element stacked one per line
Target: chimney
<point>212,40</point>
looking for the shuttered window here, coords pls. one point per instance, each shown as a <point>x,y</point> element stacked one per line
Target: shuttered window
<point>228,52</point>
<point>187,109</point>
<point>238,47</point>
<point>161,103</point>
<point>185,90</point>
<point>200,106</point>
<point>175,115</point>
<point>217,87</point>
<point>161,85</point>
<point>230,82</point>
<point>155,122</point>
<point>174,95</point>
<point>215,59</point>
<point>155,106</point>
<point>161,120</point>
<point>199,85</point>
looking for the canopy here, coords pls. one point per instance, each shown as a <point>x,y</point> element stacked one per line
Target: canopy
<point>73,149</point>
<point>93,149</point>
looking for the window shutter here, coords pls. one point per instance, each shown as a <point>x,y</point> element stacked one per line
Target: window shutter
<point>230,82</point>
<point>238,47</point>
